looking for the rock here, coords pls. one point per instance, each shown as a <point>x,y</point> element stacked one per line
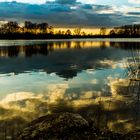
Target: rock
<point>56,126</point>
<point>135,135</point>
<point>68,126</point>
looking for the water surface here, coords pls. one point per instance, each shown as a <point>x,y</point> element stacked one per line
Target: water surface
<point>89,77</point>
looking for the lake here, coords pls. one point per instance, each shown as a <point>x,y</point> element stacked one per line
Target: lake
<point>97,78</point>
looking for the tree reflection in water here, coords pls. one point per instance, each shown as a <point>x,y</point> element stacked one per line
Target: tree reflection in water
<point>133,71</point>
<point>118,111</point>
<point>132,74</point>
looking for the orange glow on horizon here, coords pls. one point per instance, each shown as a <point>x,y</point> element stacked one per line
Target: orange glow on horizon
<point>92,31</point>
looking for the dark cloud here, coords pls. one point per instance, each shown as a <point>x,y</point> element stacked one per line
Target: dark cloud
<point>66,13</point>
<point>133,13</point>
<point>65,1</point>
<point>87,6</point>
<point>101,7</point>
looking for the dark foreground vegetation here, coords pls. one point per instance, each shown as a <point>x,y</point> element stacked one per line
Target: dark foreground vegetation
<point>68,126</point>
<point>12,30</point>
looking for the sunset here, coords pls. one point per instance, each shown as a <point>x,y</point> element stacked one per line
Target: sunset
<point>72,13</point>
<point>69,70</point>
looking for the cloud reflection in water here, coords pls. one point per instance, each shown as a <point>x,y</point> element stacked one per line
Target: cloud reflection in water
<point>81,77</point>
<point>117,112</point>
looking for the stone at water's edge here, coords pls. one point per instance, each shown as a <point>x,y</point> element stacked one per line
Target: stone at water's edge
<point>68,126</point>
<point>55,126</point>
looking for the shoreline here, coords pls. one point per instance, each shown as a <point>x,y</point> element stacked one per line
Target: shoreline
<point>29,36</point>
<point>76,38</point>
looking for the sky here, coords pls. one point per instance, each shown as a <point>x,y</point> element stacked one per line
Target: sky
<point>73,13</point>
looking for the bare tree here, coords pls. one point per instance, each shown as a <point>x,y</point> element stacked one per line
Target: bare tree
<point>10,27</point>
<point>103,31</point>
<point>43,27</point>
<point>68,32</point>
<point>51,29</point>
<point>77,31</point>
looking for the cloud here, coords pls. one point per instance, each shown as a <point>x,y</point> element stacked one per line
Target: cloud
<point>44,1</point>
<point>94,81</point>
<point>57,92</point>
<point>109,63</point>
<point>87,1</point>
<point>134,1</point>
<point>18,97</point>
<point>26,1</point>
<point>134,13</point>
<point>71,12</point>
<point>118,86</point>
<point>66,1</point>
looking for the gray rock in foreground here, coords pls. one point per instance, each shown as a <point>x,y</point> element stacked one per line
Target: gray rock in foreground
<point>55,126</point>
<point>68,126</point>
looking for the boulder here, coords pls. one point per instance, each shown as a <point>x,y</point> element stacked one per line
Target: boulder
<point>69,126</point>
<point>56,126</point>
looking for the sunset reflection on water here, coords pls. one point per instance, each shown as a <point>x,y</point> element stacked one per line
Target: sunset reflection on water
<point>85,77</point>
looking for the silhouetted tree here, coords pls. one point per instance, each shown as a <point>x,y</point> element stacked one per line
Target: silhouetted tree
<point>10,27</point>
<point>63,32</point>
<point>59,32</point>
<point>30,27</point>
<point>68,32</point>
<point>43,27</point>
<point>11,30</point>
<point>77,31</point>
<point>51,30</point>
<point>126,31</point>
<point>83,33</point>
<point>112,32</point>
<point>103,31</point>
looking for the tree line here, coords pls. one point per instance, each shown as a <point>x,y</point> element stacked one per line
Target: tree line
<point>12,27</point>
<point>12,30</point>
<point>122,31</point>
<point>126,31</point>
